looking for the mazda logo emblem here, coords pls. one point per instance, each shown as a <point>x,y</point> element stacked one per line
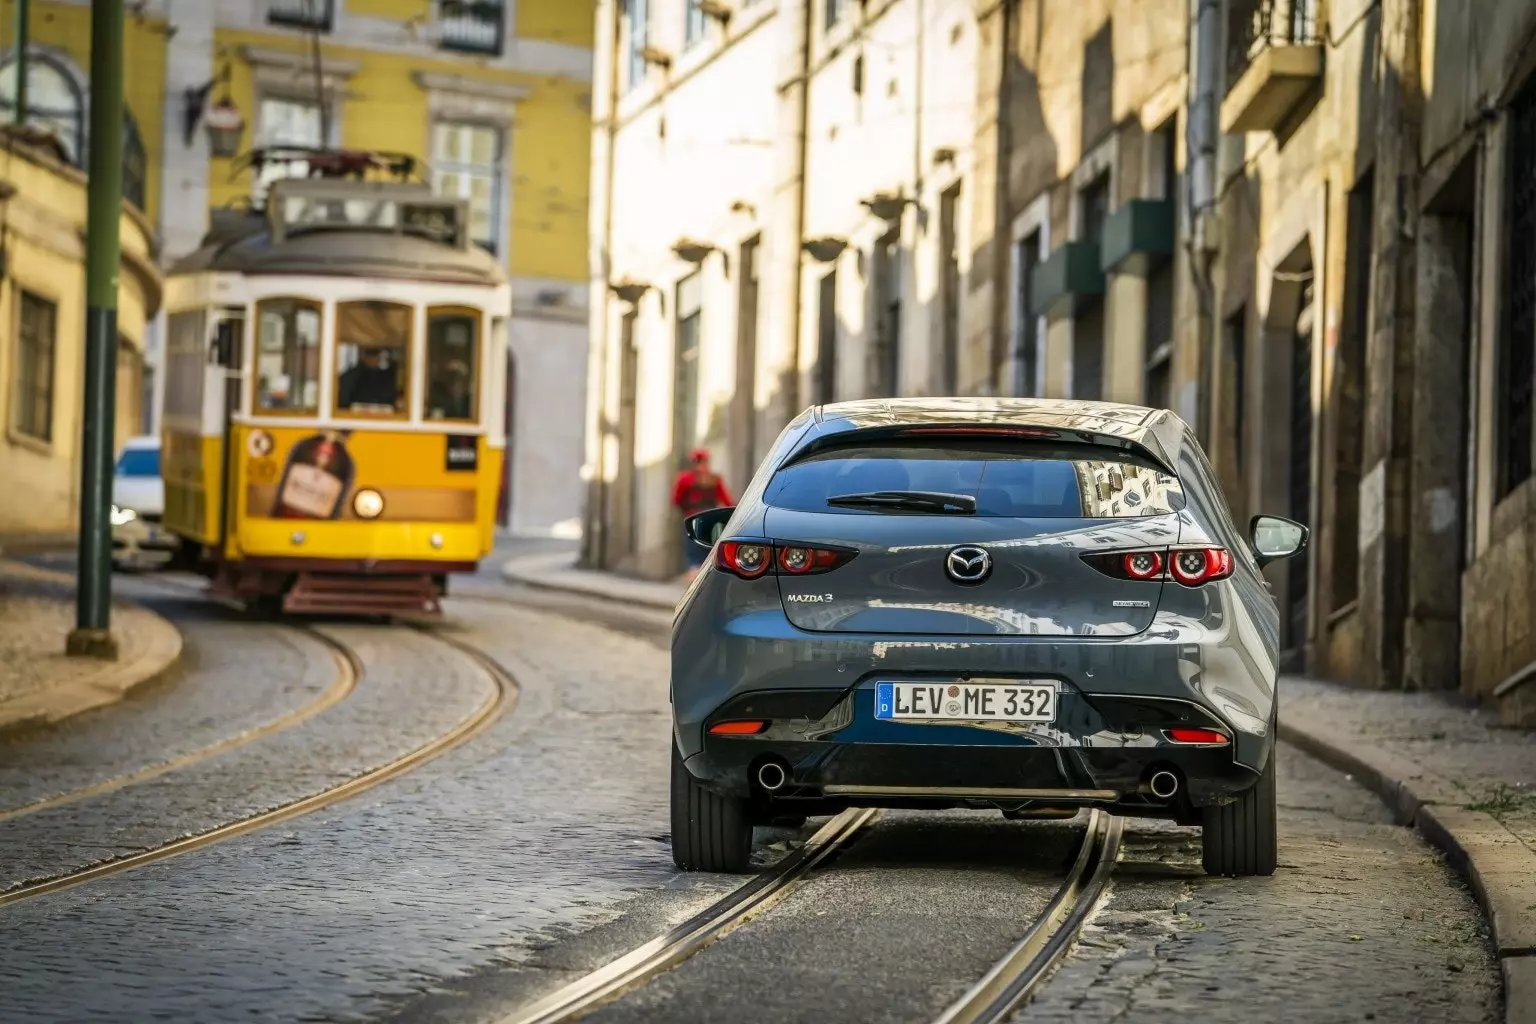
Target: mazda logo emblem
<point>968,564</point>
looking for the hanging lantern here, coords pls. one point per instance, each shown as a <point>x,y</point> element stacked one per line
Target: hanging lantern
<point>225,125</point>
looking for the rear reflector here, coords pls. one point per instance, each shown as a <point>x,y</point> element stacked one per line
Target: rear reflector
<point>1196,736</point>
<point>738,728</point>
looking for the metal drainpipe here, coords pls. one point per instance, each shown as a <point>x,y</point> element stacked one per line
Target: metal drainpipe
<point>594,538</point>
<point>1202,241</point>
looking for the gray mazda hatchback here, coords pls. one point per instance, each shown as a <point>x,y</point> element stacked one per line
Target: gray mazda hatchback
<point>1028,605</point>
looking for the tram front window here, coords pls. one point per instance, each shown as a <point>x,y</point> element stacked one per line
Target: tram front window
<point>451,363</point>
<point>288,356</point>
<point>373,342</point>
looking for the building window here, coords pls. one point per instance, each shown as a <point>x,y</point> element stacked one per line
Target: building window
<point>1093,208</point>
<point>1350,387</point>
<point>834,11</point>
<point>685,369</point>
<point>1088,325</point>
<point>826,338</point>
<point>639,12</point>
<point>1235,342</point>
<point>287,357</point>
<point>301,13</point>
<point>1026,330</point>
<point>280,123</point>
<point>693,26</point>
<point>949,294</point>
<point>35,348</point>
<point>54,103</point>
<point>1516,354</point>
<point>135,164</point>
<point>467,164</point>
<point>472,26</point>
<point>746,355</point>
<point>885,347</point>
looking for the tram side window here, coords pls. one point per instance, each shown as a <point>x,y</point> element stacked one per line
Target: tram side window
<point>288,356</point>
<point>373,342</point>
<point>452,365</point>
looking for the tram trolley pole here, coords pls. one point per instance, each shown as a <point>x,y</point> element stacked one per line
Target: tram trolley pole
<point>92,636</point>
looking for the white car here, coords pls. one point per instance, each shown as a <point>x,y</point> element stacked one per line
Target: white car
<point>138,502</point>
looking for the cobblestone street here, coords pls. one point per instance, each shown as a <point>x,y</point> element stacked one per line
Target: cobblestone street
<point>487,877</point>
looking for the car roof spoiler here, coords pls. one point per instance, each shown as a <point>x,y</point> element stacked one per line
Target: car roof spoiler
<point>842,435</point>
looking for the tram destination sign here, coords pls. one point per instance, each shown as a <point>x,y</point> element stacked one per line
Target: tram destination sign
<point>463,453</point>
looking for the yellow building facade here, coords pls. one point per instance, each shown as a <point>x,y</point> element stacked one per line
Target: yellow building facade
<point>42,333</point>
<point>492,98</point>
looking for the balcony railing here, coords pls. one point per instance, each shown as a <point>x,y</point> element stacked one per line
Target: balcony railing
<point>301,13</point>
<point>1254,26</point>
<point>473,26</point>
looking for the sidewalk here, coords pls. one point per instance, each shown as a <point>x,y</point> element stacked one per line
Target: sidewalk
<point>1447,768</point>
<point>1441,764</point>
<point>558,571</point>
<point>38,684</point>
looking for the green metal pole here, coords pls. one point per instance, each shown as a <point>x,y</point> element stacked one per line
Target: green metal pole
<point>92,635</point>
<point>23,38</point>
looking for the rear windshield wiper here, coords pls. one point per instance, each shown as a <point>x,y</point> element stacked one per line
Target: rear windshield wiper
<point>908,501</point>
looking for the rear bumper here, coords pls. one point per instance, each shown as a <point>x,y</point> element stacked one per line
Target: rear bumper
<point>1102,751</point>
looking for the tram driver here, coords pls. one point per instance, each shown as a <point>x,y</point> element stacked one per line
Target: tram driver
<point>369,384</point>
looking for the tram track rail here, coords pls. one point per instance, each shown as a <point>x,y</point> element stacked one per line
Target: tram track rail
<point>500,698</point>
<point>677,944</point>
<point>1005,987</point>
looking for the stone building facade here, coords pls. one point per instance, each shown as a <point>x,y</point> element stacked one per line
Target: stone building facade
<point>1301,224</point>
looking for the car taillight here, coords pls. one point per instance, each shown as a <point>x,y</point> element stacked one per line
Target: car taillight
<point>750,559</point>
<point>1143,565</point>
<point>1188,566</point>
<point>1194,566</point>
<point>745,559</point>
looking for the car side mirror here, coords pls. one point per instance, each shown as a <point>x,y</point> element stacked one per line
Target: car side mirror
<point>1275,538</point>
<point>706,527</point>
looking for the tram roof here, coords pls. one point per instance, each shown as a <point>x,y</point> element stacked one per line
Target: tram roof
<point>241,242</point>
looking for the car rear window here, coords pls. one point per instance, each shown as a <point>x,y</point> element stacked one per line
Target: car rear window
<point>1015,481</point>
<point>139,462</point>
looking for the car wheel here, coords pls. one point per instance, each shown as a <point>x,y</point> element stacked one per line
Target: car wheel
<point>710,832</point>
<point>1240,838</point>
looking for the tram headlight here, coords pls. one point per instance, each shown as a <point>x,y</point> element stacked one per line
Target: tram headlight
<point>368,504</point>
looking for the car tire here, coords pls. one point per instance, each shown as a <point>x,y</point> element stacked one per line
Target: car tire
<point>1240,839</point>
<point>710,832</point>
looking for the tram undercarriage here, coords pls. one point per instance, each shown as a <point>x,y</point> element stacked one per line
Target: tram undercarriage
<point>337,587</point>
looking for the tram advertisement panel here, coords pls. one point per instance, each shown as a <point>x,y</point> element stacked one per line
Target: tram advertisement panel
<point>341,474</point>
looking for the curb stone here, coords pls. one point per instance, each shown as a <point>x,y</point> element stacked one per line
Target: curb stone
<point>1499,867</point>
<point>114,682</point>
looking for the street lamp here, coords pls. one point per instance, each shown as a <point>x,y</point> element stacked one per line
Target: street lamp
<point>223,121</point>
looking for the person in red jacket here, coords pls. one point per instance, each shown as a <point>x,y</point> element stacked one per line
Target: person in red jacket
<point>698,489</point>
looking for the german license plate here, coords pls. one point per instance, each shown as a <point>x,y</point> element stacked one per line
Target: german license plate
<point>1031,701</point>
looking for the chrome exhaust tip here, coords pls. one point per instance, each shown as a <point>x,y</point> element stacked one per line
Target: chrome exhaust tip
<point>1163,784</point>
<point>772,776</point>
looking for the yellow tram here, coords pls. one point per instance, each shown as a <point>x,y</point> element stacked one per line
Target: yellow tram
<point>333,430</point>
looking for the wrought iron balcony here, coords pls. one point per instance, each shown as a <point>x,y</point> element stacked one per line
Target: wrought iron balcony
<point>473,26</point>
<point>1273,60</point>
<point>301,13</point>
